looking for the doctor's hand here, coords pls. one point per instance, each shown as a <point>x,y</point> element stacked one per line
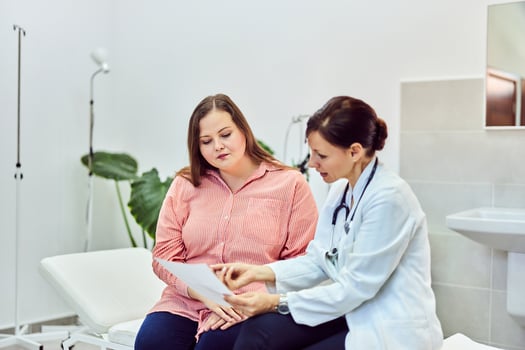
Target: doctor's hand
<point>237,275</point>
<point>253,303</point>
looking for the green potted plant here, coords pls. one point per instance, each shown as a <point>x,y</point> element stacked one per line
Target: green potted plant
<point>147,190</point>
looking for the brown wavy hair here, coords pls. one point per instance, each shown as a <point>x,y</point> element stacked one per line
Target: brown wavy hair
<point>198,165</point>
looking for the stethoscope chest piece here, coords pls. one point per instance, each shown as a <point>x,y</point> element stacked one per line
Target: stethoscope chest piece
<point>332,255</point>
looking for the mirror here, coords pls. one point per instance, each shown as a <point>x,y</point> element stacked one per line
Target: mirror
<point>505,76</point>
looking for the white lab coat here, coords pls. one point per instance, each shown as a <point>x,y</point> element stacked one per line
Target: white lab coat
<point>381,281</point>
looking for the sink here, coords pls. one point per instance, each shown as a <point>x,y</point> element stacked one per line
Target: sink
<point>504,229</point>
<point>499,228</point>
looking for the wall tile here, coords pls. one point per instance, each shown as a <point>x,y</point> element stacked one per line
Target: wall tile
<point>451,265</point>
<point>505,331</point>
<point>463,310</point>
<point>441,199</point>
<point>499,270</point>
<point>510,195</point>
<point>463,156</point>
<point>442,105</point>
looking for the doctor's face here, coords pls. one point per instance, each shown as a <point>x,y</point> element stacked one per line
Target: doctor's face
<point>221,142</point>
<point>332,163</point>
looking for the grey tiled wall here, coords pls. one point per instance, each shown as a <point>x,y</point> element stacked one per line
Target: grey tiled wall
<point>453,163</point>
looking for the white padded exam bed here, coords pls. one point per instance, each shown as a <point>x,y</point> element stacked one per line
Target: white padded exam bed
<point>110,290</point>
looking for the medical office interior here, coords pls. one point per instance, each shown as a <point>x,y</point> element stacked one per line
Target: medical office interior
<point>421,64</point>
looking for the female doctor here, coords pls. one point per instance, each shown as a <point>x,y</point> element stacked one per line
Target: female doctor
<point>365,280</point>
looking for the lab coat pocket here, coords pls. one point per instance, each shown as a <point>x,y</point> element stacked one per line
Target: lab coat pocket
<point>262,222</point>
<point>407,334</point>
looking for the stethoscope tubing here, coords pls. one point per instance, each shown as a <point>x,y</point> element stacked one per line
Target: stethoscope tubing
<point>332,253</point>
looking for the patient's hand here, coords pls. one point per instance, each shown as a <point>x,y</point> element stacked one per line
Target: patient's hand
<point>227,313</point>
<point>214,322</point>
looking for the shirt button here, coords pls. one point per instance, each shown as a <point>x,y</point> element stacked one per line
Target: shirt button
<point>225,217</point>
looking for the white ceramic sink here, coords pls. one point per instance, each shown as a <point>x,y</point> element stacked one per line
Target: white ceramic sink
<point>500,228</point>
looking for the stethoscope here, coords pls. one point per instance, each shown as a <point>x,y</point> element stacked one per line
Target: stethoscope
<point>332,253</point>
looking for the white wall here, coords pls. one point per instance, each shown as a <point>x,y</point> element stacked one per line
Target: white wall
<point>469,279</point>
<point>276,59</point>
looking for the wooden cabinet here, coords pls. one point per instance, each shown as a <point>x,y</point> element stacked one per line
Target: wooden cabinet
<point>505,99</point>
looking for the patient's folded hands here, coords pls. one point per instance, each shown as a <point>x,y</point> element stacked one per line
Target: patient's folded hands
<point>215,321</point>
<point>227,314</point>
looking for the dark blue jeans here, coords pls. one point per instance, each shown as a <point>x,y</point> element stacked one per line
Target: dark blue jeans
<point>273,331</point>
<point>163,331</point>
<point>166,331</point>
<point>219,339</point>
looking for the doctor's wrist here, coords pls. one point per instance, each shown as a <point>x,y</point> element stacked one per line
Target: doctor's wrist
<point>281,305</point>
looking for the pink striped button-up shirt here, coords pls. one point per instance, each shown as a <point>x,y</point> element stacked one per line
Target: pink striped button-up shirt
<point>271,217</point>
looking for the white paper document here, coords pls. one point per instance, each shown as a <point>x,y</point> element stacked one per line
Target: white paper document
<point>200,278</point>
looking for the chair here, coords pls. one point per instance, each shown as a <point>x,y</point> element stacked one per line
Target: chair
<point>110,290</point>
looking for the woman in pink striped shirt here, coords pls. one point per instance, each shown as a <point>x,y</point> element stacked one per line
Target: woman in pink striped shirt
<point>235,202</point>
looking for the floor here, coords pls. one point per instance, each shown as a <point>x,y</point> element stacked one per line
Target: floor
<point>49,343</point>
<point>55,345</point>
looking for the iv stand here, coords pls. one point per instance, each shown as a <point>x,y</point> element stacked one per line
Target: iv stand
<point>28,341</point>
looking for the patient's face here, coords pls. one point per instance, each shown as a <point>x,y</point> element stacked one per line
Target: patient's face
<point>221,142</point>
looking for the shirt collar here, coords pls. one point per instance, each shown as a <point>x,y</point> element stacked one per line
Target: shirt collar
<point>258,173</point>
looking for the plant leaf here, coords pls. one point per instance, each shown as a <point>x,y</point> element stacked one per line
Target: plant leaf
<point>114,166</point>
<point>265,147</point>
<point>147,195</point>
